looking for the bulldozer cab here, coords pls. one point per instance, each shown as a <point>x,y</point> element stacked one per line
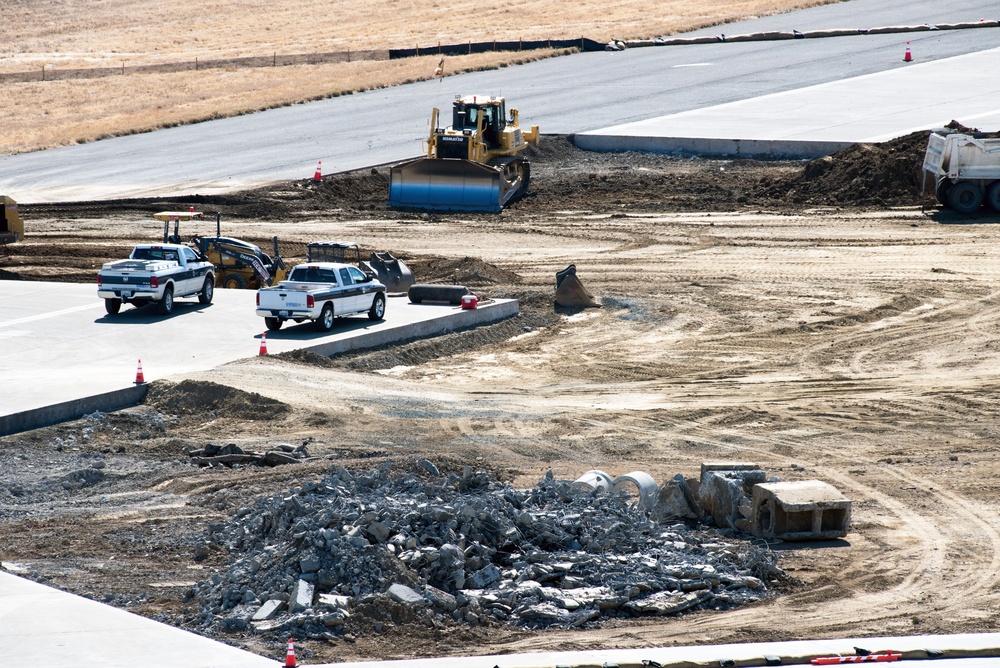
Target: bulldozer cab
<point>469,115</point>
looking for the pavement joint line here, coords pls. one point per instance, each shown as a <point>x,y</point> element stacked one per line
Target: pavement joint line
<point>48,314</point>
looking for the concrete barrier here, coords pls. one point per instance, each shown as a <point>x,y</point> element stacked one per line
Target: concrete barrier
<point>72,410</point>
<point>456,320</point>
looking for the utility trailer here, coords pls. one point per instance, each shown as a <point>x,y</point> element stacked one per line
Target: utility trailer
<point>964,169</point>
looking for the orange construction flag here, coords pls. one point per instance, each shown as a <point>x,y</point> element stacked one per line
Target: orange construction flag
<point>440,69</point>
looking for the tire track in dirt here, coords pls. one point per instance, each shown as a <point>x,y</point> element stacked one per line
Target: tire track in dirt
<point>932,565</point>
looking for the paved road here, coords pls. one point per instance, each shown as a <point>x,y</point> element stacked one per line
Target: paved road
<point>59,345</point>
<point>564,95</point>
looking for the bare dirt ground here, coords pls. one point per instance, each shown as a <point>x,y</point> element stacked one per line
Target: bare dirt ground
<point>810,318</point>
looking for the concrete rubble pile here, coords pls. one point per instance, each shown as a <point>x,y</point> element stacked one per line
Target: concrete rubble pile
<point>329,557</point>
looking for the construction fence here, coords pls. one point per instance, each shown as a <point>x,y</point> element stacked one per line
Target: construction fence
<point>51,73</point>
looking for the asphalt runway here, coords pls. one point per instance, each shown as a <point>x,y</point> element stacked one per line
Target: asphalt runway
<point>579,93</point>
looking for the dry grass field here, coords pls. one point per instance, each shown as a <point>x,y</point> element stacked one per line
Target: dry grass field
<point>60,34</point>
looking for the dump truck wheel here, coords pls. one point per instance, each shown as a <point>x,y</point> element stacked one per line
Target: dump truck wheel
<point>207,290</point>
<point>113,305</point>
<point>166,305</point>
<point>941,192</point>
<point>993,196</point>
<point>377,311</point>
<point>235,282</point>
<point>965,197</point>
<point>274,324</point>
<point>325,322</point>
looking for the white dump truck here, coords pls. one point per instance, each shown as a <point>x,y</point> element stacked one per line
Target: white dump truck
<point>964,170</point>
<point>156,274</point>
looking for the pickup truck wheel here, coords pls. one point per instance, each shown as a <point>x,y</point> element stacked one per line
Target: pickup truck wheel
<point>377,311</point>
<point>112,305</point>
<point>325,322</point>
<point>207,290</point>
<point>166,305</point>
<point>274,324</point>
<point>993,196</point>
<point>965,197</point>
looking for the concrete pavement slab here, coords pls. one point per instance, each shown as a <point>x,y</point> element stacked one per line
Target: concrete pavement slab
<point>43,627</point>
<point>60,346</point>
<point>818,120</point>
<point>981,648</point>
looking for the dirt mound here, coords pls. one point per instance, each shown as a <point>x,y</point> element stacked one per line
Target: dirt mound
<point>884,174</point>
<point>201,398</point>
<point>469,271</point>
<point>861,174</point>
<point>306,357</point>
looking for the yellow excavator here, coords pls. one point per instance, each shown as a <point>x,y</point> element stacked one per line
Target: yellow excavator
<point>471,165</point>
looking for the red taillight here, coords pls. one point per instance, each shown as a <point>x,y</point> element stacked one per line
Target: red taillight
<point>258,299</point>
<point>100,281</point>
<point>154,282</point>
<point>310,301</point>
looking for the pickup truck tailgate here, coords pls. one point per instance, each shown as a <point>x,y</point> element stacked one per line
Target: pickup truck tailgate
<point>283,299</point>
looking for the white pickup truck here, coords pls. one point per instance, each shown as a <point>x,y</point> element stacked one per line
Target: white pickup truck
<point>156,274</point>
<point>321,291</point>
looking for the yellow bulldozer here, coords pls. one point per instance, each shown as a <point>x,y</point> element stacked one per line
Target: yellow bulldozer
<point>11,225</point>
<point>471,165</point>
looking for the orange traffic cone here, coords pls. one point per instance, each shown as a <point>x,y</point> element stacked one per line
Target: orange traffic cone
<point>139,378</point>
<point>290,656</point>
<point>263,344</point>
<point>907,57</point>
<point>318,176</point>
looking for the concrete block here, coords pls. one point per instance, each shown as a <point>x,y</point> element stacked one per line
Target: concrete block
<point>302,596</point>
<point>675,501</point>
<point>268,610</point>
<point>800,510</point>
<point>728,466</point>
<point>720,496</point>
<point>405,595</point>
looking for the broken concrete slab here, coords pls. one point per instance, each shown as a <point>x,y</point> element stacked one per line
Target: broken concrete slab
<point>301,597</point>
<point>405,595</point>
<point>268,610</point>
<point>722,492</point>
<point>728,466</point>
<point>800,510</point>
<point>675,500</point>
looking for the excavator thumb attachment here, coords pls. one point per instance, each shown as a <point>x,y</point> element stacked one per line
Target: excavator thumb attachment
<point>391,272</point>
<point>446,184</point>
<point>570,291</point>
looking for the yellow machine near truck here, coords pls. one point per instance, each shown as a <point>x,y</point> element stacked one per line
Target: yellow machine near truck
<point>11,225</point>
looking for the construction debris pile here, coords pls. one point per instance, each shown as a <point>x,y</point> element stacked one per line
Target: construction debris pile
<point>327,558</point>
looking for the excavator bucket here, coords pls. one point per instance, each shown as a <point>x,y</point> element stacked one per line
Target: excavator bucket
<point>570,291</point>
<point>391,272</point>
<point>447,184</point>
